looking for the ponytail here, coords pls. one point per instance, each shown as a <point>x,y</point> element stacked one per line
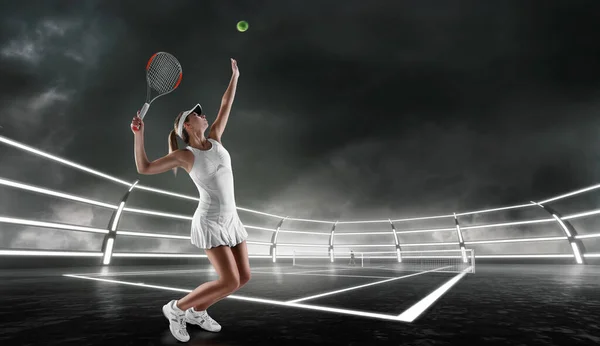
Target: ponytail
<point>173,146</point>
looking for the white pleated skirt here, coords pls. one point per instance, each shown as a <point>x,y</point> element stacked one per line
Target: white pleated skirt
<point>223,230</point>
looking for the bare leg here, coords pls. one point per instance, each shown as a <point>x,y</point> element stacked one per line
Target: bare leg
<point>240,253</point>
<point>210,292</point>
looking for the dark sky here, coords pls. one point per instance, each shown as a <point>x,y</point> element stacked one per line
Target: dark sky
<point>344,110</point>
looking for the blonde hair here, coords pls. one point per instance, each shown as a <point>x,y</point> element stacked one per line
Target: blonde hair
<point>173,138</point>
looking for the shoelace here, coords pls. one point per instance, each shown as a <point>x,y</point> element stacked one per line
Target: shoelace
<point>204,315</point>
<point>181,321</point>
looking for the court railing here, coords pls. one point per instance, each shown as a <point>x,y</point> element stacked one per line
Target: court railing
<point>112,231</point>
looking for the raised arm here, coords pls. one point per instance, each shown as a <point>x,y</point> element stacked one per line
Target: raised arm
<point>144,166</point>
<point>217,128</point>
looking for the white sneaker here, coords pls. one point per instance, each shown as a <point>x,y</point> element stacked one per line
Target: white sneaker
<point>176,319</point>
<point>201,318</point>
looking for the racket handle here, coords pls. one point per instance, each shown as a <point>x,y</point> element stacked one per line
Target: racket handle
<point>144,110</point>
<point>141,115</point>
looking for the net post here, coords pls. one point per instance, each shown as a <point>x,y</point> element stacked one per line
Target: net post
<point>110,238</point>
<point>273,249</point>
<point>570,231</point>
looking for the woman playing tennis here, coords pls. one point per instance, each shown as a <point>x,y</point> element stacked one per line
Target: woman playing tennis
<point>216,226</point>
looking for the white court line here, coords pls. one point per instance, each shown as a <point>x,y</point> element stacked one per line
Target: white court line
<point>414,311</point>
<point>258,300</point>
<point>361,286</point>
<point>157,272</point>
<point>321,270</point>
<point>146,273</point>
<point>335,275</point>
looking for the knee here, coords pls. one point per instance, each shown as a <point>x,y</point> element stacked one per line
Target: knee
<point>244,278</point>
<point>231,283</point>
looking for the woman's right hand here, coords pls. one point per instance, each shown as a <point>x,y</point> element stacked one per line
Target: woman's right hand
<point>137,125</point>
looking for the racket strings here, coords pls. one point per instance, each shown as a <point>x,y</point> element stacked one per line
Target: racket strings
<point>163,73</point>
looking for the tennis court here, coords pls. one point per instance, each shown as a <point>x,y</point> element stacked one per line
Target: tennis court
<point>374,285</point>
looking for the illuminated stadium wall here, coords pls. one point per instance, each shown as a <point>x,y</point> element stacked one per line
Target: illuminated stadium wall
<point>563,227</point>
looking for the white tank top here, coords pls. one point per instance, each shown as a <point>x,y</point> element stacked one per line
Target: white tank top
<point>213,175</point>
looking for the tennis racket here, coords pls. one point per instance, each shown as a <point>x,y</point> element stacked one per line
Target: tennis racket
<point>163,75</point>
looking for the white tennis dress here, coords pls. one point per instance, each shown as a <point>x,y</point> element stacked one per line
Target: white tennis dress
<point>216,221</point>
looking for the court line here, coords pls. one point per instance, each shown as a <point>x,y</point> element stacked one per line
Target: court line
<point>417,309</point>
<point>335,275</point>
<point>321,270</point>
<point>361,286</point>
<point>257,300</point>
<point>157,272</point>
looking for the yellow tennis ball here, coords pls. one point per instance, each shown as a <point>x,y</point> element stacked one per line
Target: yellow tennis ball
<point>242,26</point>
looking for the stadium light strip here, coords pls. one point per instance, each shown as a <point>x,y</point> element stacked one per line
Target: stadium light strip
<point>584,236</point>
<point>153,235</point>
<point>591,255</point>
<point>405,252</point>
<point>309,220</point>
<point>156,255</point>
<point>141,187</point>
<point>365,233</point>
<point>261,228</point>
<point>304,232</point>
<point>49,192</point>
<point>100,174</point>
<point>314,257</point>
<point>507,224</point>
<point>303,245</point>
<point>167,193</point>
<point>495,209</point>
<point>426,230</point>
<point>61,160</point>
<point>417,257</point>
<point>259,212</point>
<point>570,194</point>
<point>169,255</point>
<point>364,245</point>
<point>50,253</point>
<point>392,255</point>
<point>514,240</point>
<point>54,225</point>
<point>429,244</point>
<point>156,213</point>
<point>421,218</point>
<point>583,214</point>
<point>525,256</point>
<point>258,242</point>
<point>196,199</point>
<point>365,221</point>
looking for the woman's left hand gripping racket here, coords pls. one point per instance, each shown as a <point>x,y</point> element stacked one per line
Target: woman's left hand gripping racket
<point>163,75</point>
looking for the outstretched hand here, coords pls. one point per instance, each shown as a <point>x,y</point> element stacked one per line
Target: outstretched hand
<point>137,124</point>
<point>234,68</point>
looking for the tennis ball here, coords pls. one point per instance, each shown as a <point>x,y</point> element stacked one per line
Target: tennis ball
<point>242,26</point>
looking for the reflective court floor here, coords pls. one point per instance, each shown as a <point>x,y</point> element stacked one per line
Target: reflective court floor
<point>500,304</point>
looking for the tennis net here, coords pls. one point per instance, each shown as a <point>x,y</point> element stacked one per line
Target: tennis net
<point>453,261</point>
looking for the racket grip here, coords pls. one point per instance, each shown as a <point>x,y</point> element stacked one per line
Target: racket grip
<point>144,110</point>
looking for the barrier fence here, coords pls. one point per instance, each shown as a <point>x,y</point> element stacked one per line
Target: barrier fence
<point>569,233</point>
